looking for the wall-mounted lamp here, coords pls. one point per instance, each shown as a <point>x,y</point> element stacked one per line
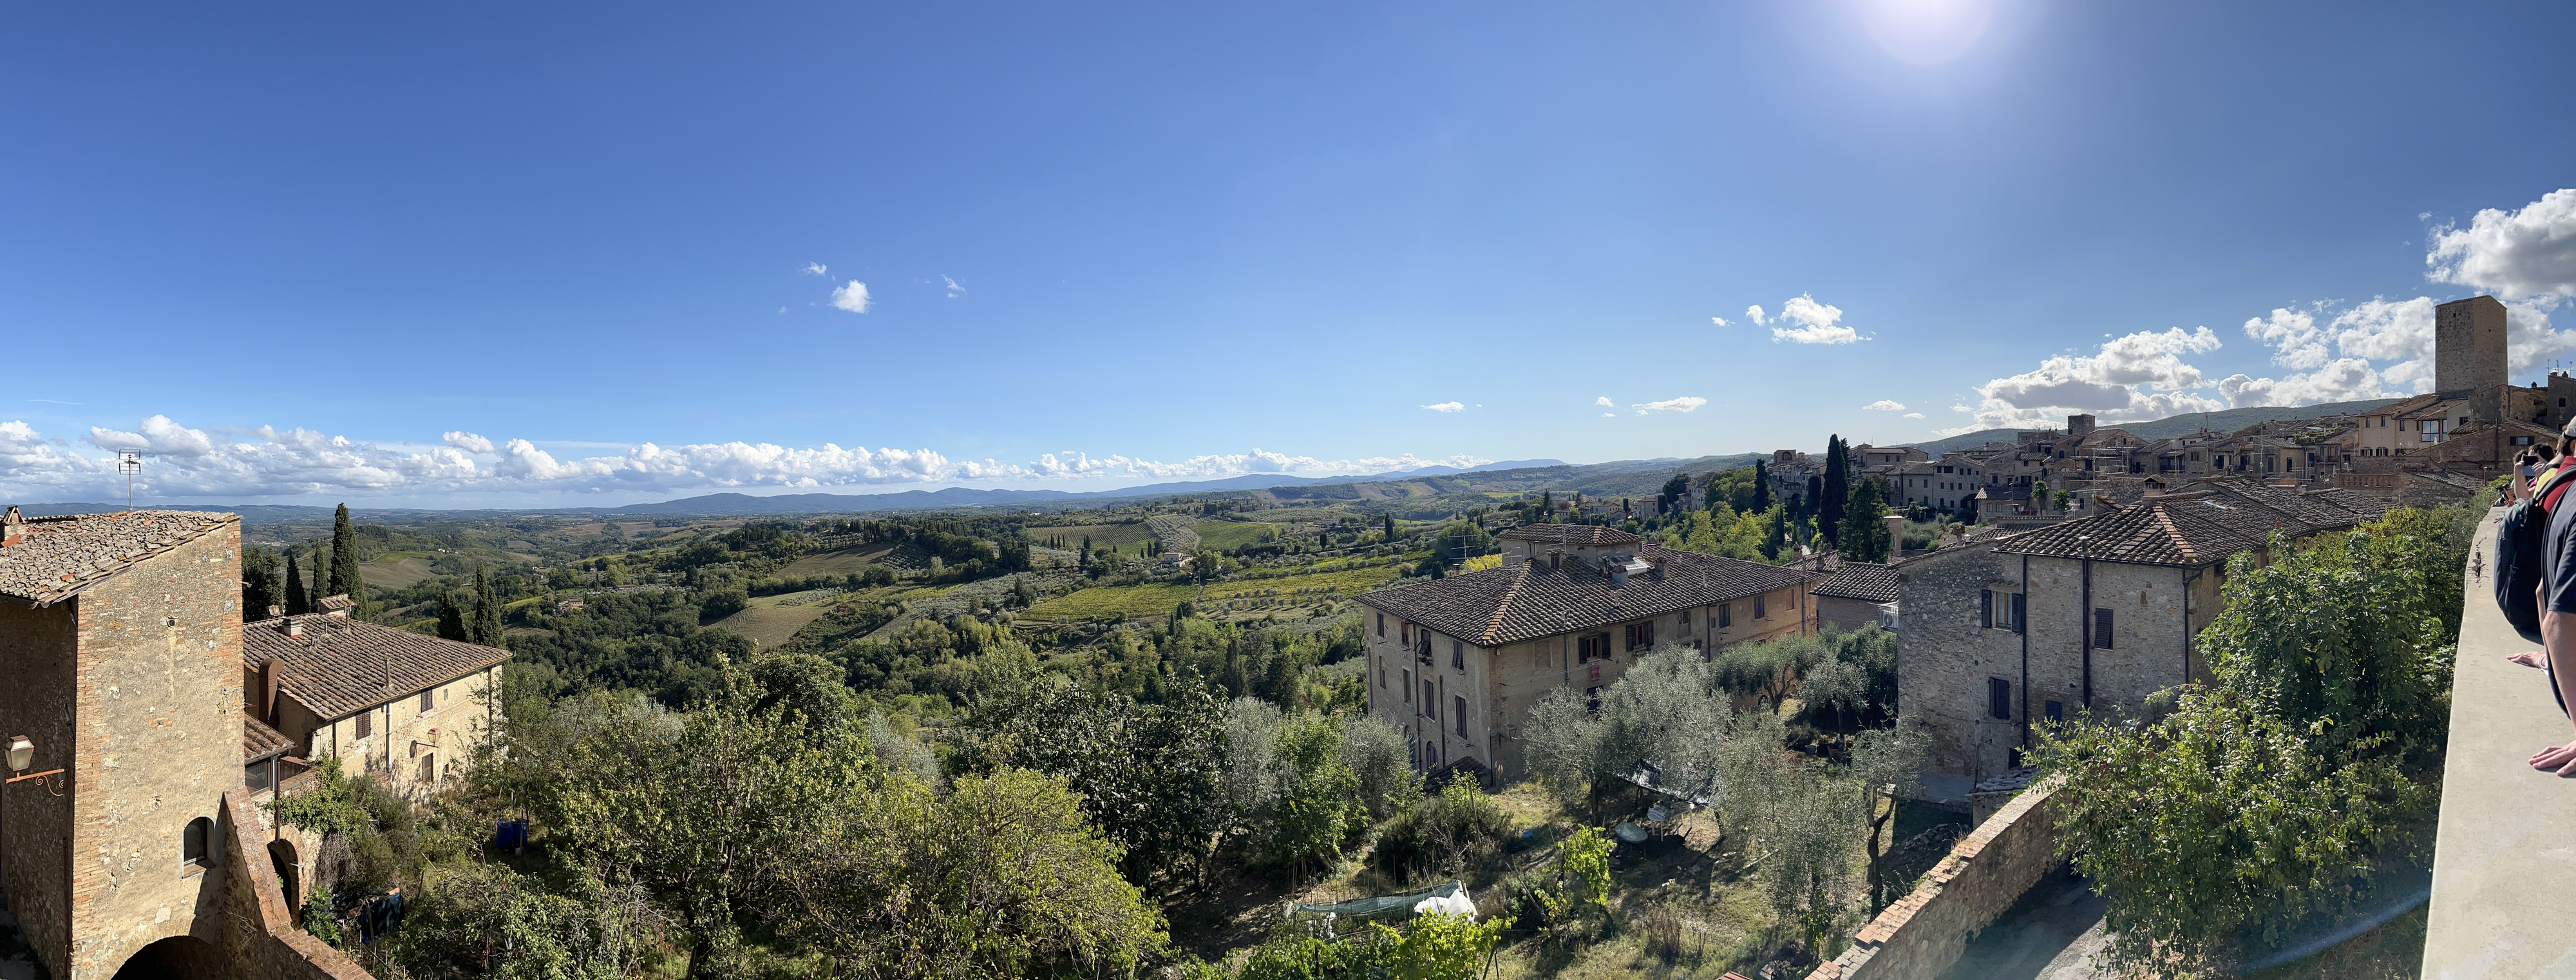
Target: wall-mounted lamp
<point>22,753</point>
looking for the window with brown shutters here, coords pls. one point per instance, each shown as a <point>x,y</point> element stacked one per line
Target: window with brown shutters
<point>1999,699</point>
<point>428,700</point>
<point>366,724</point>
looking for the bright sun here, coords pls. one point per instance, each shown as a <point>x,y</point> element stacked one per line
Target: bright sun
<point>1927,32</point>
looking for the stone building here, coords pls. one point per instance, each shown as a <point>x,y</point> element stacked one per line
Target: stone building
<point>1858,594</point>
<point>1455,663</point>
<point>122,641</point>
<point>2090,614</point>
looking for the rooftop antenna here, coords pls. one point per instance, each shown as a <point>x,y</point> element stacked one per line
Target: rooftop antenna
<point>129,464</point>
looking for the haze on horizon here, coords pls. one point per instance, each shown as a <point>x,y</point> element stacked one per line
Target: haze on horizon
<point>487,255</point>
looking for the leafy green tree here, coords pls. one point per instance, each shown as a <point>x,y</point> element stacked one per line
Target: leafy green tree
<point>297,602</point>
<point>1318,807</point>
<point>1675,490</point>
<point>1775,531</point>
<point>319,918</point>
<point>1864,535</point>
<point>1375,751</point>
<point>1000,876</point>
<point>1442,947</point>
<point>345,578</point>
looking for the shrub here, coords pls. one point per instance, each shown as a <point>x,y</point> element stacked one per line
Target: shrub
<point>1459,830</point>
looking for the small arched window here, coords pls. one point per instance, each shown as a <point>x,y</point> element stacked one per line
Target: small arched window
<point>195,844</point>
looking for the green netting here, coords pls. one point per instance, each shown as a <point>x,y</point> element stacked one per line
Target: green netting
<point>1363,907</point>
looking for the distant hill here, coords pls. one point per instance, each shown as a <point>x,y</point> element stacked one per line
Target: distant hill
<point>2179,425</point>
<point>747,505</point>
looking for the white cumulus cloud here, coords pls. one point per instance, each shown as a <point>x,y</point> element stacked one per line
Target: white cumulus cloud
<point>2530,252</point>
<point>816,269</point>
<point>853,297</point>
<point>1754,313</point>
<point>2138,376</point>
<point>1883,405</point>
<point>1817,323</point>
<point>1719,320</point>
<point>1447,407</point>
<point>467,441</point>
<point>1605,402</point>
<point>1682,404</point>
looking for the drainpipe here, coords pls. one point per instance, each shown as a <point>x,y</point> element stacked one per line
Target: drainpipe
<point>2023,627</point>
<point>2085,544</point>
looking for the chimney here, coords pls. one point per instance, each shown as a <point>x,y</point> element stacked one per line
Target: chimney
<point>290,626</point>
<point>268,671</point>
<point>276,611</point>
<point>13,528</point>
<point>1895,537</point>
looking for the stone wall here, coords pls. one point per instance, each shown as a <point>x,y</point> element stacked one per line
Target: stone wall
<point>159,741</point>
<point>1923,934</point>
<point>262,940</point>
<point>37,656</point>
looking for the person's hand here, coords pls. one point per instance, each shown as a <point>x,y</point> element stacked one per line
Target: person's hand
<point>2561,758</point>
<point>2531,658</point>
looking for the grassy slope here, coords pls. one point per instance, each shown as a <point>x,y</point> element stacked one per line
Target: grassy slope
<point>1124,601</point>
<point>1227,535</point>
<point>402,574</point>
<point>840,562</point>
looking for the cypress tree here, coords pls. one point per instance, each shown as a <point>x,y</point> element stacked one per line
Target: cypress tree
<point>451,616</point>
<point>345,578</point>
<point>1547,507</point>
<point>1390,528</point>
<point>486,628</point>
<point>259,583</point>
<point>1761,486</point>
<point>297,603</point>
<point>1864,532</point>
<point>1836,492</point>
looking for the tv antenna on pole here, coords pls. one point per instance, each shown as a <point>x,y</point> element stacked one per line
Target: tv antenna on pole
<point>129,464</point>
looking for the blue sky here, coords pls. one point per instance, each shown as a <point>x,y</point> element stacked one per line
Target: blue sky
<point>531,254</point>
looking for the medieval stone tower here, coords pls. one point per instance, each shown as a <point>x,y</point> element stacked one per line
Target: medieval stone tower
<point>2469,354</point>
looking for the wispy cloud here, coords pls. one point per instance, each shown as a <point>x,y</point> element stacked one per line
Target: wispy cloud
<point>1911,415</point>
<point>1719,320</point>
<point>853,297</point>
<point>1754,313</point>
<point>1447,407</point>
<point>816,269</point>
<point>1682,404</point>
<point>954,290</point>
<point>266,461</point>
<point>1883,405</point>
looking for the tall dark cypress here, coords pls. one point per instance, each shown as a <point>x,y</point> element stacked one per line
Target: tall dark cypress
<point>1837,489</point>
<point>297,603</point>
<point>1761,487</point>
<point>486,628</point>
<point>259,583</point>
<point>451,616</point>
<point>345,579</point>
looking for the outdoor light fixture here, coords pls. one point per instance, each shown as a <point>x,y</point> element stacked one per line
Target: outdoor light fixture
<point>22,753</point>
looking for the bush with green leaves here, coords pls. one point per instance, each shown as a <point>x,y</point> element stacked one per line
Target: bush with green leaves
<point>1457,830</point>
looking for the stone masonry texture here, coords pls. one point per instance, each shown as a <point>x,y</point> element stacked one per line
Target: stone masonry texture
<point>1923,934</point>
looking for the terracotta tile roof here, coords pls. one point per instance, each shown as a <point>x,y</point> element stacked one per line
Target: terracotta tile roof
<point>260,741</point>
<point>1860,580</point>
<point>57,556</point>
<point>1587,535</point>
<point>340,667</point>
<point>2196,529</point>
<point>1528,600</point>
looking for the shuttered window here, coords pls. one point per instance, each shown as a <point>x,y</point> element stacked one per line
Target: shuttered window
<point>2102,629</point>
<point>2018,607</point>
<point>1999,699</point>
<point>1986,608</point>
<point>366,724</point>
<point>1459,712</point>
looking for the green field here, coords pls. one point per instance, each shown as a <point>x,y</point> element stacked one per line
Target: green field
<point>400,574</point>
<point>1299,515</point>
<point>1121,601</point>
<point>1229,535</point>
<point>841,562</point>
<point>1103,536</point>
<point>769,623</point>
<point>1343,584</point>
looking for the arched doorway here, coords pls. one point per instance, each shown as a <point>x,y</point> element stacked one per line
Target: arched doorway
<point>281,855</point>
<point>182,957</point>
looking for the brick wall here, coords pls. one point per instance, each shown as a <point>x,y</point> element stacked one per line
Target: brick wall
<point>1924,933</point>
<point>158,733</point>
<point>262,940</point>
